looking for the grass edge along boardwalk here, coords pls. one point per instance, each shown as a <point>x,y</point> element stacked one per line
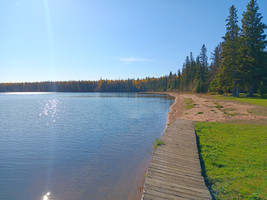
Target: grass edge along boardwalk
<point>175,171</point>
<point>235,159</point>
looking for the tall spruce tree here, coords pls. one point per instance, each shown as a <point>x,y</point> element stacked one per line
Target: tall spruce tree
<point>230,46</point>
<point>202,69</point>
<point>203,58</point>
<point>253,43</point>
<point>179,79</point>
<point>198,69</point>
<point>216,58</point>
<point>192,68</point>
<point>199,76</point>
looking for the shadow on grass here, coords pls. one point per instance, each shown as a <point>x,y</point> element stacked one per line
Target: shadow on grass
<point>203,170</point>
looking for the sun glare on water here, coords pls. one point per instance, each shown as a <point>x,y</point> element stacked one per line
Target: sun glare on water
<point>46,196</point>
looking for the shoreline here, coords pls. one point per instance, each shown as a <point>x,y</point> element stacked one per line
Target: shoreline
<point>176,109</point>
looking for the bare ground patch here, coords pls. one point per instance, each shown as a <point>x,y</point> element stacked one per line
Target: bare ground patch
<point>205,108</point>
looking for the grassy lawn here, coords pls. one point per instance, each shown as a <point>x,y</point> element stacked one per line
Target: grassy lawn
<point>235,159</point>
<point>252,100</point>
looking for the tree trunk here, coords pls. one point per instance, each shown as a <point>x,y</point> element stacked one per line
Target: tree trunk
<point>237,92</point>
<point>250,94</point>
<point>234,92</point>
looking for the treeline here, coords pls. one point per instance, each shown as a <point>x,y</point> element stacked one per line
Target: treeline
<point>131,85</point>
<point>239,64</point>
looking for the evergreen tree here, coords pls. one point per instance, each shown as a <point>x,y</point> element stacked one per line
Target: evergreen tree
<point>199,86</point>
<point>203,59</point>
<point>179,79</point>
<point>192,68</point>
<point>216,58</point>
<point>229,53</point>
<point>253,44</point>
<point>198,69</point>
<point>170,74</point>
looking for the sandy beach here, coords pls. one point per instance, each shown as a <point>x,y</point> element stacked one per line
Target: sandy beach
<point>206,108</point>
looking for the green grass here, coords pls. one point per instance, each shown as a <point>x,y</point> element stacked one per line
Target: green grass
<point>231,114</point>
<point>199,113</point>
<point>157,142</point>
<point>255,101</point>
<point>229,109</point>
<point>234,156</point>
<point>218,105</point>
<point>252,100</point>
<point>227,113</point>
<point>189,103</point>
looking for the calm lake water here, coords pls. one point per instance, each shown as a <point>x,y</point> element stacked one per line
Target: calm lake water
<point>66,146</point>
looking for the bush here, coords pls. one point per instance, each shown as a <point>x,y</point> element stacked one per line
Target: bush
<point>199,86</point>
<point>262,90</point>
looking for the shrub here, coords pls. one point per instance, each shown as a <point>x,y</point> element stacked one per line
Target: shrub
<point>262,90</point>
<point>199,86</point>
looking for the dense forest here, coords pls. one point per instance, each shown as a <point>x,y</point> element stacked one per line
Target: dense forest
<point>239,64</point>
<point>131,85</point>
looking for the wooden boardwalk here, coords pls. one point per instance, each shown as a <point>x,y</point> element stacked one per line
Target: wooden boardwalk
<point>175,171</point>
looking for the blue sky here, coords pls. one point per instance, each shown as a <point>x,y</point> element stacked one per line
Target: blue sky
<point>52,40</point>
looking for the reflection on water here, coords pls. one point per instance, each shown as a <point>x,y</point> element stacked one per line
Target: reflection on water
<point>46,196</point>
<point>122,95</point>
<point>49,107</point>
<point>26,93</point>
<point>57,147</point>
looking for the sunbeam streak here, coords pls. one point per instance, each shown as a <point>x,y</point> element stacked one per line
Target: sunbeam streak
<point>49,31</point>
<point>52,74</point>
<point>50,41</point>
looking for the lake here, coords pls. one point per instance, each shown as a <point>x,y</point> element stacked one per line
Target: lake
<point>65,146</point>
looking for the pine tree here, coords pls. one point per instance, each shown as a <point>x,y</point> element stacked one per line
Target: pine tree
<point>230,47</point>
<point>202,67</point>
<point>252,47</point>
<point>216,58</point>
<point>199,86</point>
<point>198,69</point>
<point>203,59</point>
<point>179,79</point>
<point>192,68</point>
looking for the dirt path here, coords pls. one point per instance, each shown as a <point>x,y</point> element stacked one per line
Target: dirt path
<point>204,108</point>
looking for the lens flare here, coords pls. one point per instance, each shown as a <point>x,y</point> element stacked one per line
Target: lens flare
<point>46,196</point>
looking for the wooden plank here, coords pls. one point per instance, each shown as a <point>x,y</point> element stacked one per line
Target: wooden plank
<point>175,171</point>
